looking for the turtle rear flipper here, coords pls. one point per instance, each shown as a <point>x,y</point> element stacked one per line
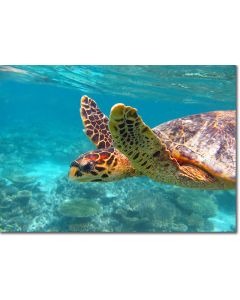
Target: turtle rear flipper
<point>138,142</point>
<point>95,123</point>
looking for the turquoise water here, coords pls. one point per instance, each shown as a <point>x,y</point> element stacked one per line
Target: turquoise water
<point>41,133</point>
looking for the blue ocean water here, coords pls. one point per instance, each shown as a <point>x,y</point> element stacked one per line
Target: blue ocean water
<point>41,133</point>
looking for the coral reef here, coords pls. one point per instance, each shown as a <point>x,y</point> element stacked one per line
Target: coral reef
<point>79,208</point>
<point>228,206</point>
<point>20,179</point>
<point>197,202</point>
<point>23,197</point>
<point>18,206</point>
<point>158,209</point>
<point>148,210</point>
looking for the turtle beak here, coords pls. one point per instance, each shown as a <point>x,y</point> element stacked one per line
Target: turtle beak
<point>74,170</point>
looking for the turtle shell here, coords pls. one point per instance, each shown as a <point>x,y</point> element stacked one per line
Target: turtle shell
<point>205,140</point>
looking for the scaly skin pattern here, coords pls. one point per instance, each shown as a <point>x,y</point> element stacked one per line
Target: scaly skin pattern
<point>101,165</point>
<point>95,123</point>
<point>151,154</point>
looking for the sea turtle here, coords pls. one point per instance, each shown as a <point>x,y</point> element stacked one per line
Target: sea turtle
<point>197,151</point>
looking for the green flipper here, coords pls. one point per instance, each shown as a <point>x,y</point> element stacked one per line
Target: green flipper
<point>142,147</point>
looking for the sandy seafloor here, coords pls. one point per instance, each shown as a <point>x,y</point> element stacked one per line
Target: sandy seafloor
<point>41,133</point>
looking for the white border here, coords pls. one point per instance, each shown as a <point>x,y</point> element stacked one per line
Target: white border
<point>140,266</point>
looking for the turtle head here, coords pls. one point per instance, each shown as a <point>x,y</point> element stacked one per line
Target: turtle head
<point>101,165</point>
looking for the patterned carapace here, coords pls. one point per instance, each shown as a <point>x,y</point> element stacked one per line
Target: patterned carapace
<point>205,140</point>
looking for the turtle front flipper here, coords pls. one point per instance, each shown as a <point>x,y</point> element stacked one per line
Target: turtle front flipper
<point>143,148</point>
<point>95,123</point>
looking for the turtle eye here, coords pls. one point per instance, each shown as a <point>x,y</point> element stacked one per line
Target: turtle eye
<point>87,167</point>
<point>74,164</point>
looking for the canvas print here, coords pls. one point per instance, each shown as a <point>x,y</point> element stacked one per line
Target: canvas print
<point>94,148</point>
